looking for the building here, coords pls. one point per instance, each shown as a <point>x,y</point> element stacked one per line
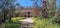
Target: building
<point>29,11</point>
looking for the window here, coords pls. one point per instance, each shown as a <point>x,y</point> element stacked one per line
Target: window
<point>28,12</point>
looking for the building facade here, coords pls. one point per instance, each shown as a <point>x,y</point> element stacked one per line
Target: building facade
<point>29,11</point>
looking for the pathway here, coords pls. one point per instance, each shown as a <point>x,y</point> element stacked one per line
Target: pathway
<point>26,23</point>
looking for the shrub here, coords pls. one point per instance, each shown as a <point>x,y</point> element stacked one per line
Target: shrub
<point>12,25</point>
<point>17,18</point>
<point>45,23</point>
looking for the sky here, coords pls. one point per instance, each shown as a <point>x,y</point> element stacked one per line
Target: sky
<point>25,2</point>
<point>58,3</point>
<point>29,3</point>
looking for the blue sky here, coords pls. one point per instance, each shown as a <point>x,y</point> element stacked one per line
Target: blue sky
<point>25,2</point>
<point>29,3</point>
<point>58,3</point>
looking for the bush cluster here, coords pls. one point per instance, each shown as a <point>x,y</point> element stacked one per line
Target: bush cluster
<point>44,23</point>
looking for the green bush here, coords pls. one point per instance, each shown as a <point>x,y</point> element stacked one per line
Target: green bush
<point>45,23</point>
<point>12,24</point>
<point>17,18</point>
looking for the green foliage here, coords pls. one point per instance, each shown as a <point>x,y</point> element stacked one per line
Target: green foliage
<point>5,9</point>
<point>45,23</point>
<point>17,18</point>
<point>12,24</point>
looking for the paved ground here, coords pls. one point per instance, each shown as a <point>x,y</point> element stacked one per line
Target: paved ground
<point>29,20</point>
<point>26,22</point>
